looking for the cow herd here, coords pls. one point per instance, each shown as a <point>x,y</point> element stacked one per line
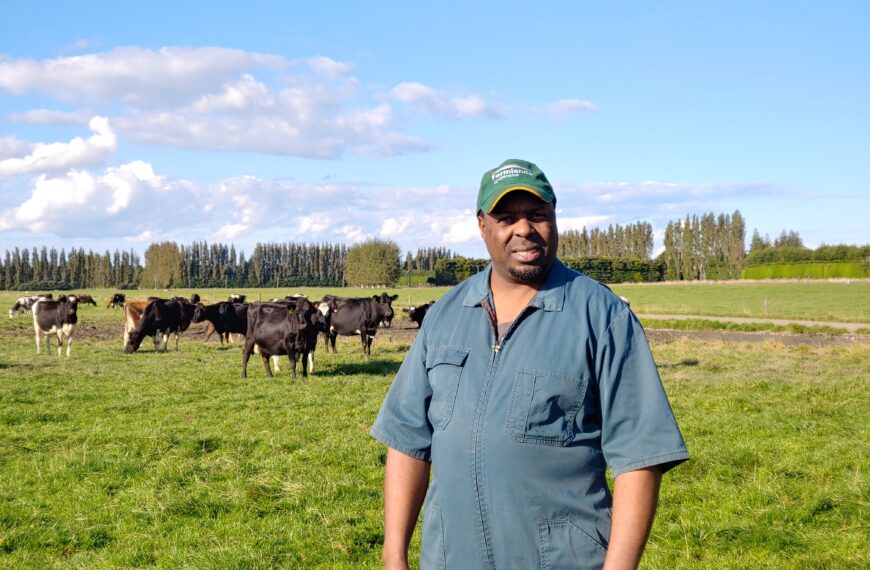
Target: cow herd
<point>271,329</point>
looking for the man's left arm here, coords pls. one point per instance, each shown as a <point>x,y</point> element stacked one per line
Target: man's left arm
<point>635,496</point>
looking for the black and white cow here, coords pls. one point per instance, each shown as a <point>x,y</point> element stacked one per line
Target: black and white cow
<point>164,317</point>
<point>418,313</point>
<point>275,329</point>
<point>117,300</point>
<point>361,317</point>
<point>54,317</point>
<point>235,298</point>
<point>25,304</point>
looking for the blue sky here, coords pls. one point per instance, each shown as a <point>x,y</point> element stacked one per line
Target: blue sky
<point>273,121</point>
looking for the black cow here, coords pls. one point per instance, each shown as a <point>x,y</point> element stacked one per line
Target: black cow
<point>362,317</point>
<point>227,318</point>
<point>54,317</point>
<point>417,314</point>
<point>274,329</point>
<point>117,300</point>
<point>164,317</point>
<point>237,298</point>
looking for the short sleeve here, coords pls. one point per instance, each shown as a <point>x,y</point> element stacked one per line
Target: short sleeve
<point>638,427</point>
<point>403,423</point>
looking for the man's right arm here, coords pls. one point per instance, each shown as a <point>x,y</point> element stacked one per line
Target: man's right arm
<point>405,482</point>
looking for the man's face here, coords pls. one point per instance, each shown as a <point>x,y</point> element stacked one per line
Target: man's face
<point>521,236</point>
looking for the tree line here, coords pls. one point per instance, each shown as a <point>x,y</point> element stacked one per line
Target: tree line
<point>705,247</point>
<point>201,264</point>
<point>49,269</point>
<point>634,241</point>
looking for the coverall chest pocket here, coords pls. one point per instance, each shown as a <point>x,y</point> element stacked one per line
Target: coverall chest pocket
<point>544,406</point>
<point>444,366</point>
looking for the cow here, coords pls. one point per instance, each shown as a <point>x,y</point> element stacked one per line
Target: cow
<point>53,317</point>
<point>132,314</point>
<point>237,298</point>
<point>418,313</point>
<point>362,317</point>
<point>25,304</point>
<point>275,329</point>
<point>226,318</point>
<point>194,299</point>
<point>84,298</point>
<point>117,300</point>
<point>161,316</point>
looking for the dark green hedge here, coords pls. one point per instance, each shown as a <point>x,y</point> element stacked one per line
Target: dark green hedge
<point>855,270</point>
<point>609,270</point>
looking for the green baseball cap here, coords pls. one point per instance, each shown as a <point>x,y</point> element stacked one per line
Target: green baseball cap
<point>510,175</point>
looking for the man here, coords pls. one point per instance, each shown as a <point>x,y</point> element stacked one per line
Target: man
<point>526,382</point>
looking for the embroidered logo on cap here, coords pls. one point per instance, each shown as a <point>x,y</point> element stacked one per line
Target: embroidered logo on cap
<point>509,171</point>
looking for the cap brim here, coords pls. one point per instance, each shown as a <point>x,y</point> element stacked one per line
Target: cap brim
<point>529,189</point>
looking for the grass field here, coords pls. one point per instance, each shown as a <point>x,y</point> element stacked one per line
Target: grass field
<point>815,301</point>
<point>170,460</point>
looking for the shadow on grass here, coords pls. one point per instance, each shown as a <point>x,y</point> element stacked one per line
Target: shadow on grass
<point>684,362</point>
<point>377,367</point>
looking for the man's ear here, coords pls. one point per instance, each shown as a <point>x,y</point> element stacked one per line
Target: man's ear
<point>480,223</point>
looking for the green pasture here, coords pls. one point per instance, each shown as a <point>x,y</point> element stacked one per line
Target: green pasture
<point>170,460</point>
<point>813,301</point>
<point>816,301</point>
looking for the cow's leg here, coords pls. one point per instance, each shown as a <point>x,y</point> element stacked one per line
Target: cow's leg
<point>246,354</point>
<point>38,334</point>
<point>266,365</point>
<point>311,362</point>
<point>364,337</point>
<point>68,345</point>
<point>303,360</point>
<point>177,336</point>
<point>276,362</point>
<point>291,354</point>
<point>332,336</point>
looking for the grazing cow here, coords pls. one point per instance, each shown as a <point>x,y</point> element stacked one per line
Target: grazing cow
<point>25,304</point>
<point>85,298</point>
<point>161,317</point>
<point>225,317</point>
<point>237,298</point>
<point>417,314</point>
<point>274,330</point>
<point>132,314</point>
<point>362,317</point>
<point>54,317</point>
<point>117,300</point>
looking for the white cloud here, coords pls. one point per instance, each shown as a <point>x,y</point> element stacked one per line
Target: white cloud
<point>566,107</point>
<point>313,224</point>
<point>395,227</point>
<point>352,233</point>
<point>131,74</point>
<point>79,203</point>
<point>580,222</point>
<point>438,102</point>
<point>55,157</point>
<point>329,67</point>
<point>231,231</point>
<point>50,117</point>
